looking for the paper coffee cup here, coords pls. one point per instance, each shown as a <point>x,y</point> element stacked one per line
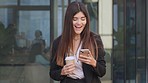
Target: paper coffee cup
<point>70,59</point>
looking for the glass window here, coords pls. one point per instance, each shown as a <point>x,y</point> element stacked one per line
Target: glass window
<point>35,2</point>
<point>18,62</point>
<point>140,38</point>
<point>8,2</point>
<point>7,36</point>
<point>130,41</point>
<point>6,13</point>
<point>62,6</point>
<point>30,21</point>
<point>93,12</point>
<point>118,43</point>
<point>62,2</point>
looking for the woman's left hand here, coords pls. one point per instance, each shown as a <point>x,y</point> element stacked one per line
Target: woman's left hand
<point>88,59</point>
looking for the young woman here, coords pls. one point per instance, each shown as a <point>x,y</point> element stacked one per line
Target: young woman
<point>87,68</point>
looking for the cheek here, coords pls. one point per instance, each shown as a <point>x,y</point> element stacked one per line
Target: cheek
<point>84,23</point>
<point>73,22</point>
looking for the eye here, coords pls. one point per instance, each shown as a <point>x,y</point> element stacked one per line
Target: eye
<point>83,18</point>
<point>75,19</point>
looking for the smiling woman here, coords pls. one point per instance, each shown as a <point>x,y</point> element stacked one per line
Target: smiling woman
<point>76,36</point>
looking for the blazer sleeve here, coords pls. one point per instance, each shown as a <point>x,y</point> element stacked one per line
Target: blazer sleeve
<point>100,68</point>
<point>55,70</point>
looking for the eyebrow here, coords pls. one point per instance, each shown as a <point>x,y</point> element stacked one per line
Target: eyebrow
<point>83,17</point>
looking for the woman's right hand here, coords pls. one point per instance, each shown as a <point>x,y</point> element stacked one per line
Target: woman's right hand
<point>68,69</point>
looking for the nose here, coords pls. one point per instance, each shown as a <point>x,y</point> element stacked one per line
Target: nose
<point>79,21</point>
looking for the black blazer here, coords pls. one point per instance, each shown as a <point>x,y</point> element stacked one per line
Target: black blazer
<point>91,74</point>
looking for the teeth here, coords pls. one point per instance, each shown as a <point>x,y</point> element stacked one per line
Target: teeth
<point>78,27</point>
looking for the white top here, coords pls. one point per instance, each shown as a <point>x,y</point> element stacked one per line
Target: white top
<point>78,72</point>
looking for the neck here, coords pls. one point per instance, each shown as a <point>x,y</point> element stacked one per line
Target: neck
<point>77,37</point>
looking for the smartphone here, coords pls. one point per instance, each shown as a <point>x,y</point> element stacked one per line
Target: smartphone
<point>84,52</point>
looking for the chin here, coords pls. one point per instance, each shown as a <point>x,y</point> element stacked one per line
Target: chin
<point>78,33</point>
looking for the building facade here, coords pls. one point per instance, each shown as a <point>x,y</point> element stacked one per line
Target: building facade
<point>130,41</point>
<point>122,25</point>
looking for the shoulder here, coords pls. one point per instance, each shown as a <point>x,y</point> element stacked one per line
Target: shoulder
<point>55,44</point>
<point>95,36</point>
<point>57,40</point>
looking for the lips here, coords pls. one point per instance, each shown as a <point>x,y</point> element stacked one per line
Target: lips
<point>78,26</point>
<point>78,29</point>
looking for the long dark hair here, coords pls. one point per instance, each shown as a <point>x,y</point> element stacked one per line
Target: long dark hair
<point>68,32</point>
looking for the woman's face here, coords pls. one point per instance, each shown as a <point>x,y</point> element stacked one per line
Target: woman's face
<point>79,22</point>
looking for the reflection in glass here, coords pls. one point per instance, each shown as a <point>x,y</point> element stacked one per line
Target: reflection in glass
<point>118,46</point>
<point>141,40</point>
<point>8,2</point>
<point>30,21</point>
<point>35,2</point>
<point>129,54</point>
<point>130,42</point>
<point>93,12</point>
<point>7,35</point>
<point>7,13</point>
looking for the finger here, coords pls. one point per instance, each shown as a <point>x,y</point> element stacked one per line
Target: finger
<point>64,70</point>
<point>70,65</point>
<point>71,69</point>
<point>89,54</point>
<point>82,56</point>
<point>89,59</point>
<point>82,59</point>
<point>85,60</point>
